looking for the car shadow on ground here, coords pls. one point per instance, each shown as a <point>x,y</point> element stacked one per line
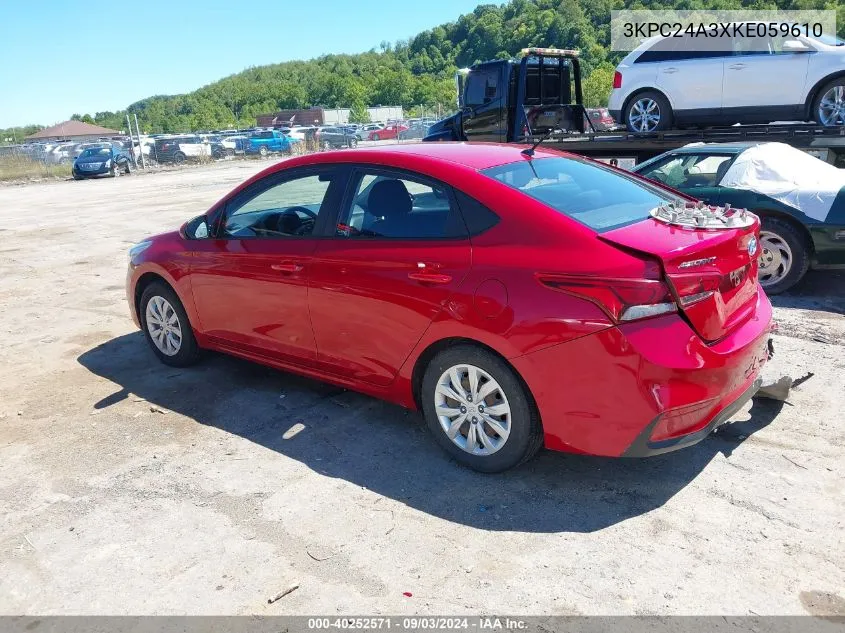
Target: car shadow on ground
<point>388,450</point>
<point>818,290</point>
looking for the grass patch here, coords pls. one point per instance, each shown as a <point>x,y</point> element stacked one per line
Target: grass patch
<point>23,168</point>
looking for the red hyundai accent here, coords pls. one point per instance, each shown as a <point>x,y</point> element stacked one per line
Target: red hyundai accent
<point>516,299</point>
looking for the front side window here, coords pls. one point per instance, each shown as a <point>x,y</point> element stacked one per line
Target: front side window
<point>287,209</point>
<point>689,171</point>
<point>599,197</point>
<point>482,87</point>
<point>399,207</point>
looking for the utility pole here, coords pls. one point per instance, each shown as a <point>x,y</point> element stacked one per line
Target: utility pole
<point>131,149</point>
<point>140,149</point>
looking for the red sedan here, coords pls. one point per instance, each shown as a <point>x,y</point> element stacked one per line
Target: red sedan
<point>516,299</point>
<point>387,132</point>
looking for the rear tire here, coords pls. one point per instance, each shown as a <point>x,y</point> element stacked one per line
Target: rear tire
<point>376,137</point>
<point>493,452</point>
<point>832,95</point>
<point>784,258</point>
<point>187,352</point>
<point>648,112</point>
<point>179,158</point>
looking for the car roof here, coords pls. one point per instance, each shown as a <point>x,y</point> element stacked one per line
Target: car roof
<point>472,155</point>
<point>731,148</point>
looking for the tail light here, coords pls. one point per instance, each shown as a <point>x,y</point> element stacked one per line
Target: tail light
<point>693,288</point>
<point>617,79</point>
<point>621,299</point>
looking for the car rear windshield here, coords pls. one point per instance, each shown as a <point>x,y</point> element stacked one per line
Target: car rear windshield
<point>600,197</point>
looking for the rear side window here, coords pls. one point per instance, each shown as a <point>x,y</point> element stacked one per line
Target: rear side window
<point>477,217</point>
<point>398,206</point>
<point>599,197</point>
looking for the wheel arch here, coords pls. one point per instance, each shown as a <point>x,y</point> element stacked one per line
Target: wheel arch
<point>640,91</point>
<point>434,348</point>
<point>142,284</point>
<point>814,92</point>
<point>782,216</point>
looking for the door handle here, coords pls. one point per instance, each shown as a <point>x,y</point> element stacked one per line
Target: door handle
<point>427,274</point>
<point>287,267</point>
<point>670,70</point>
<point>736,66</point>
<point>430,278</point>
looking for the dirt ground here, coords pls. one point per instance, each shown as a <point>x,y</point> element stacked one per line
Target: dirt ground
<point>128,487</point>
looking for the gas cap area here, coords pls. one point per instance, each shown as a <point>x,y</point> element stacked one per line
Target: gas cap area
<point>490,298</point>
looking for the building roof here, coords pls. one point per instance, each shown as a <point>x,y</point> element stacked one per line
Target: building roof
<point>70,129</point>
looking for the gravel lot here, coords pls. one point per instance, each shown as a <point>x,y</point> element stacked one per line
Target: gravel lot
<point>128,487</point>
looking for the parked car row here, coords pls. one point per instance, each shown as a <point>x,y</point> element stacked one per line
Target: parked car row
<point>59,152</point>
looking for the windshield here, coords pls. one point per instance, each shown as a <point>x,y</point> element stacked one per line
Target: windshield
<point>600,197</point>
<point>95,151</point>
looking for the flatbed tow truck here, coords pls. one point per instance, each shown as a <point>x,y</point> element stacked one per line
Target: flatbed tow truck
<point>538,96</point>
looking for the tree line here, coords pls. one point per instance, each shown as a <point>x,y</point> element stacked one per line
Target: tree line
<point>418,71</point>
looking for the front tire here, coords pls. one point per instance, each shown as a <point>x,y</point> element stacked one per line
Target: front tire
<point>784,258</point>
<point>829,104</point>
<point>179,158</point>
<point>376,137</point>
<point>648,112</point>
<point>478,409</point>
<point>166,326</point>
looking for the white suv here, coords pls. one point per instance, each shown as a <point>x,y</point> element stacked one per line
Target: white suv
<point>663,83</point>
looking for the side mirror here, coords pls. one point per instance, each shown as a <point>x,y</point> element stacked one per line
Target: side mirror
<point>795,46</point>
<point>197,229</point>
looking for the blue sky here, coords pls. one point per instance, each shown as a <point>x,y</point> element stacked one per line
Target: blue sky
<point>59,58</point>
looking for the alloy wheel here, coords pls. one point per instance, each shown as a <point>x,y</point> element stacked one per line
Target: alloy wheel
<point>775,260</point>
<point>832,106</point>
<point>163,326</point>
<point>472,409</point>
<point>644,115</point>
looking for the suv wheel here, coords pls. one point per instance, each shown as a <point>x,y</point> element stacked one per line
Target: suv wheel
<point>829,105</point>
<point>179,158</point>
<point>648,112</point>
<point>262,151</point>
<point>478,409</point>
<point>784,258</point>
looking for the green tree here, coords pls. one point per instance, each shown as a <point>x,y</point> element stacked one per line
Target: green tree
<point>597,85</point>
<point>358,113</point>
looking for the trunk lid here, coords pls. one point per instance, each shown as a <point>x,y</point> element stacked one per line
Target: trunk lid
<point>712,271</point>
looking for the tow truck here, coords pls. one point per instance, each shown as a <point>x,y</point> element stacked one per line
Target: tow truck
<point>538,97</point>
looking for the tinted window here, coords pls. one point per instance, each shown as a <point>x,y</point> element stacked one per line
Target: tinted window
<point>659,51</point>
<point>689,171</point>
<point>286,209</point>
<point>601,198</point>
<point>482,86</point>
<point>399,207</point>
<point>477,217</point>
